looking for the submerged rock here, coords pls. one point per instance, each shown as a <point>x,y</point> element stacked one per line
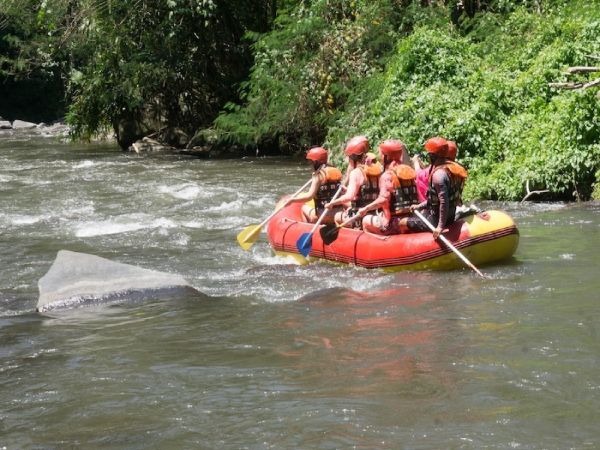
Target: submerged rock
<point>76,278</point>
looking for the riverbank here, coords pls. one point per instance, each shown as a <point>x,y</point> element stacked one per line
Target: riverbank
<point>154,143</point>
<point>55,129</point>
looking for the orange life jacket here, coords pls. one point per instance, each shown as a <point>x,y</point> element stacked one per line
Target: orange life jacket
<point>458,175</point>
<point>405,189</point>
<point>369,190</point>
<point>331,178</point>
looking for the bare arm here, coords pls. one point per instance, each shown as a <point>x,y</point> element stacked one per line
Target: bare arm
<point>354,183</point>
<point>312,191</point>
<point>386,187</point>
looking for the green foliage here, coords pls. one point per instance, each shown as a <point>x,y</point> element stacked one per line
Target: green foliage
<point>333,69</point>
<point>491,95</point>
<point>30,75</point>
<point>174,62</point>
<point>477,72</point>
<point>596,192</point>
<point>306,68</point>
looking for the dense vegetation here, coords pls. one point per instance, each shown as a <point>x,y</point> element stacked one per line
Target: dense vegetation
<point>135,66</point>
<point>289,74</point>
<point>412,73</point>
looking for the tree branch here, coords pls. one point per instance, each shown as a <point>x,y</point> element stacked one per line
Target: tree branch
<point>579,84</point>
<point>570,85</point>
<point>530,193</point>
<point>582,69</point>
<point>576,85</point>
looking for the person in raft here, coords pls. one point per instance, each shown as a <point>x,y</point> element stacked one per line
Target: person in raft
<point>371,160</point>
<point>451,156</point>
<point>371,163</point>
<point>326,180</point>
<point>363,181</point>
<point>446,179</point>
<point>423,170</point>
<point>397,191</point>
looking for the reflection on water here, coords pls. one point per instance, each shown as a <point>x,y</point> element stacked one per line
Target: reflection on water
<point>279,355</point>
<point>366,340</point>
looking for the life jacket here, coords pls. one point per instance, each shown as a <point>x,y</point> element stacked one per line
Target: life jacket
<point>458,175</point>
<point>369,190</point>
<point>331,179</point>
<point>405,189</point>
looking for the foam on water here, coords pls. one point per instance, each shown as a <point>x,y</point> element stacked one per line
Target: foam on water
<point>260,203</point>
<point>91,229</point>
<point>25,220</point>
<point>193,224</point>
<point>180,240</point>
<point>222,223</point>
<point>84,164</point>
<point>124,225</point>
<point>269,259</point>
<point>184,191</point>
<point>275,279</point>
<point>226,206</point>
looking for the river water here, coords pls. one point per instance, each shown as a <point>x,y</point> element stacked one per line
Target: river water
<point>271,354</point>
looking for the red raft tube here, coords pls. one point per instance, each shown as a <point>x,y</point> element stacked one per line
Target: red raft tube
<point>484,237</point>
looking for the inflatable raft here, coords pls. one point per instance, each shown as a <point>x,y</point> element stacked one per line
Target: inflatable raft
<point>483,238</point>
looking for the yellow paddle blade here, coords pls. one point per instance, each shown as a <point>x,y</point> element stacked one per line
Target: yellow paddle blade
<point>248,236</point>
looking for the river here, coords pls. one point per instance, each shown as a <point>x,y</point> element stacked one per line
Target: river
<point>271,354</point>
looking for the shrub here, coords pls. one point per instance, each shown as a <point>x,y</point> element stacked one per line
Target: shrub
<point>490,93</point>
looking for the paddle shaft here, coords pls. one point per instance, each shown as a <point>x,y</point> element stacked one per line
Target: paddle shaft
<point>448,244</point>
<point>337,194</point>
<point>330,235</point>
<point>304,242</point>
<point>349,221</point>
<point>262,224</point>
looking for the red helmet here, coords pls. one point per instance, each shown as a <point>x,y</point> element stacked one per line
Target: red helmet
<point>317,154</point>
<point>357,146</point>
<point>392,149</point>
<point>437,145</point>
<point>452,150</point>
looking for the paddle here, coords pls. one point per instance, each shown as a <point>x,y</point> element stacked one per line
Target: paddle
<point>330,232</point>
<point>304,242</point>
<point>249,235</point>
<point>449,245</point>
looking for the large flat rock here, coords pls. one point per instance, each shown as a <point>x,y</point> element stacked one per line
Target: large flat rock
<point>76,278</point>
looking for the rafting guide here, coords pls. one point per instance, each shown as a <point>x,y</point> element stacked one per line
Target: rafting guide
<point>446,181</point>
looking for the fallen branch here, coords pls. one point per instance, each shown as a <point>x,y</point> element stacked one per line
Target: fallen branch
<point>572,85</point>
<point>530,193</point>
<point>575,85</point>
<point>583,69</point>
